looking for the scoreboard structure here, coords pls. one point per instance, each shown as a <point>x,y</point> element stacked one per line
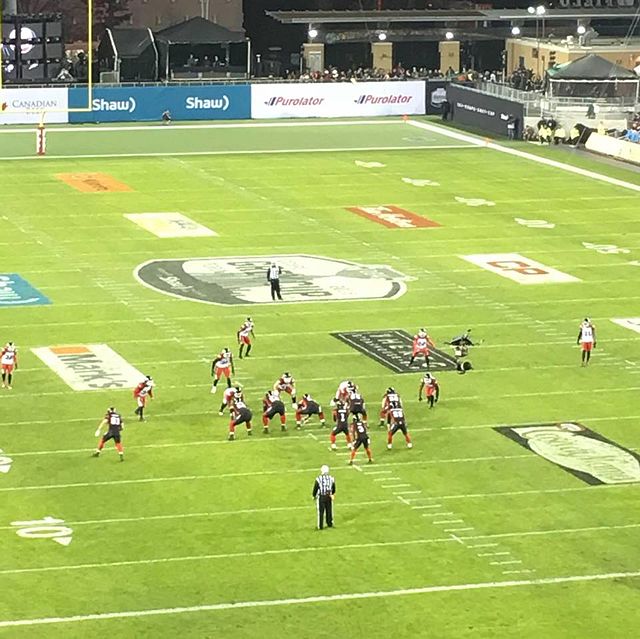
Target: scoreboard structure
<point>32,48</point>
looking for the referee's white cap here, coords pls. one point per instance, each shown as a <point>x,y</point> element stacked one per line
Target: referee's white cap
<point>324,469</point>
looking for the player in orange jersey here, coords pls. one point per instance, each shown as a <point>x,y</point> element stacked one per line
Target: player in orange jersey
<point>421,344</point>
<point>8,363</point>
<point>431,389</point>
<point>587,339</point>
<point>244,334</point>
<point>230,394</point>
<point>141,392</point>
<point>287,384</point>
<point>222,366</point>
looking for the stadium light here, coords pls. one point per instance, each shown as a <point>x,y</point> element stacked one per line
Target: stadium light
<point>531,10</point>
<point>515,30</point>
<point>449,35</point>
<point>540,10</point>
<point>312,33</point>
<point>581,30</point>
<point>382,36</point>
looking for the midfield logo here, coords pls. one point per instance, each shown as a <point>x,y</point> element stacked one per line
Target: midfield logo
<point>578,450</point>
<point>243,280</point>
<point>392,348</point>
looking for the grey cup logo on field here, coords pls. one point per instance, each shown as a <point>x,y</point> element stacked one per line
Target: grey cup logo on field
<point>579,450</point>
<point>242,280</point>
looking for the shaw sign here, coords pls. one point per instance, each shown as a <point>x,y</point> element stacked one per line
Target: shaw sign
<point>337,100</point>
<point>597,4</point>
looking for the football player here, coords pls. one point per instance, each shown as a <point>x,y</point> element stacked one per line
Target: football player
<point>397,422</point>
<point>8,363</point>
<point>431,389</point>
<point>390,397</point>
<point>356,404</point>
<point>421,344</point>
<point>342,392</point>
<point>360,435</point>
<point>287,384</point>
<point>244,334</point>
<point>272,405</point>
<point>341,419</point>
<point>228,396</point>
<point>115,425</point>
<point>222,365</point>
<point>306,408</point>
<point>587,339</point>
<point>240,414</point>
<point>141,392</point>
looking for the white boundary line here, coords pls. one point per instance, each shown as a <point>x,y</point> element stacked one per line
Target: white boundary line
<point>462,137</point>
<point>350,596</point>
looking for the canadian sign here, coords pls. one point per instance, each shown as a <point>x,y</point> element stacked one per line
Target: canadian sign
<point>393,217</point>
<point>578,450</point>
<point>243,280</point>
<point>518,268</point>
<point>168,225</point>
<point>87,367</point>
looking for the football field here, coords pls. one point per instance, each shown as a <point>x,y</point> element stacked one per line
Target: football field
<point>140,250</point>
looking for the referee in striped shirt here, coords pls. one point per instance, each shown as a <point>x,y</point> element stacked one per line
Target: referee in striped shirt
<point>324,490</point>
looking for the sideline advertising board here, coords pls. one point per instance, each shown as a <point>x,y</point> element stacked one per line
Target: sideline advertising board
<point>337,100</point>
<point>140,104</point>
<point>614,147</point>
<point>484,112</point>
<point>27,106</point>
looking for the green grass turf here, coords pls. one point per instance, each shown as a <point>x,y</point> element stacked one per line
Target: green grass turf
<point>235,521</point>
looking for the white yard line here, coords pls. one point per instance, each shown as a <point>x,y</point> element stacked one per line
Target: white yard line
<point>469,139</point>
<point>269,603</point>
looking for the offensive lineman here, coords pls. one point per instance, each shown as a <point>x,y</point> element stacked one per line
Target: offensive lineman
<point>306,408</point>
<point>240,414</point>
<point>272,405</point>
<point>587,339</point>
<point>8,363</point>
<point>244,334</point>
<point>431,389</point>
<point>115,425</point>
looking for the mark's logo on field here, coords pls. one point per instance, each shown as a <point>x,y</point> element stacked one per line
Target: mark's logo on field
<point>243,280</point>
<point>16,291</point>
<point>392,348</point>
<point>518,268</point>
<point>393,217</point>
<point>632,323</point>
<point>87,367</point>
<point>578,450</point>
<point>170,225</point>
<point>93,182</point>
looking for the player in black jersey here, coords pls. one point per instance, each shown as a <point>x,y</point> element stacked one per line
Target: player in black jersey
<point>115,425</point>
<point>357,407</point>
<point>272,405</point>
<point>240,414</point>
<point>341,418</point>
<point>397,422</point>
<point>360,435</point>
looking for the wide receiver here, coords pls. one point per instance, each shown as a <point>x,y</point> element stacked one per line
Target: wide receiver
<point>8,363</point>
<point>587,339</point>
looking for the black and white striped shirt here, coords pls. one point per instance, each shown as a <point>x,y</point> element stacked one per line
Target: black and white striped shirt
<point>273,273</point>
<point>324,485</point>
